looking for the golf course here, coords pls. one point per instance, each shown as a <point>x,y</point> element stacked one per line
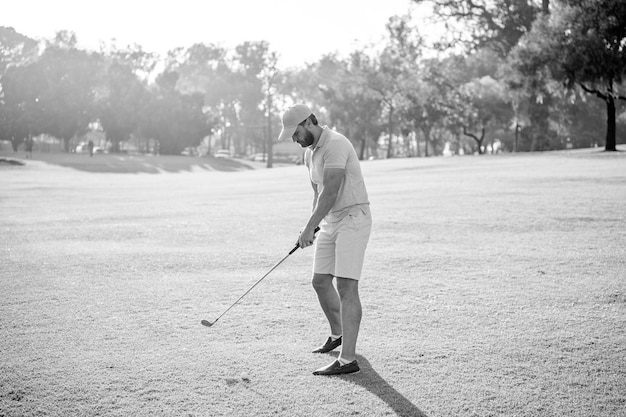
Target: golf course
<point>493,285</point>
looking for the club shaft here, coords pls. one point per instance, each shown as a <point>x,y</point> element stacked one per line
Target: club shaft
<point>296,247</point>
<point>255,284</point>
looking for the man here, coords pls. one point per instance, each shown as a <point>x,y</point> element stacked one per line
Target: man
<point>29,147</point>
<point>341,209</point>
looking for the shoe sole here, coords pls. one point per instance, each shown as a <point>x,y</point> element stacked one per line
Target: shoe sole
<point>338,374</point>
<point>321,350</point>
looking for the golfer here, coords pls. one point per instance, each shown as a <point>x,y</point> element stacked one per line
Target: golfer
<point>341,210</point>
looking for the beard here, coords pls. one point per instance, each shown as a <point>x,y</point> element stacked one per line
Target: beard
<point>308,139</point>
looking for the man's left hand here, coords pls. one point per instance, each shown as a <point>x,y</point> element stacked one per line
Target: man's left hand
<point>306,238</point>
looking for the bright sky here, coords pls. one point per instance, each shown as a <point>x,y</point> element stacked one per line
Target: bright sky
<point>299,30</point>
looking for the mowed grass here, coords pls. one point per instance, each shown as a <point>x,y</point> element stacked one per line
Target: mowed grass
<point>493,286</point>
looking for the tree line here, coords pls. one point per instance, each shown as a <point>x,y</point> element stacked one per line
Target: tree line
<point>507,75</point>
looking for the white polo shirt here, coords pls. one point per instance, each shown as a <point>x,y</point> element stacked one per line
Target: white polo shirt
<point>334,150</point>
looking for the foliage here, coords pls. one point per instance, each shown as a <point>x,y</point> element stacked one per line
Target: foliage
<point>256,76</point>
<point>122,98</point>
<point>173,119</point>
<point>480,24</point>
<point>67,104</point>
<point>429,104</point>
<point>486,107</point>
<point>15,48</point>
<point>237,87</point>
<point>583,45</point>
<point>518,80</point>
<point>18,92</point>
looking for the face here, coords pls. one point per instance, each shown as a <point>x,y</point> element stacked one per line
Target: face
<point>303,137</point>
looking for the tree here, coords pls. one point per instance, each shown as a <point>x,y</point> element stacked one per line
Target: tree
<point>582,45</point>
<point>207,68</point>
<point>487,108</point>
<point>15,48</point>
<point>121,101</point>
<point>424,108</point>
<point>271,77</point>
<point>258,74</point>
<point>580,118</point>
<point>18,89</point>
<point>396,63</point>
<point>432,103</point>
<point>591,49</point>
<point>352,104</point>
<point>20,110</point>
<point>67,104</point>
<point>499,25</point>
<point>479,24</point>
<point>173,119</point>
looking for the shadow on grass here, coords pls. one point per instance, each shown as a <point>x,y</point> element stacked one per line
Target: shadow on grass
<point>151,165</point>
<point>369,379</point>
<point>9,161</point>
<point>133,163</point>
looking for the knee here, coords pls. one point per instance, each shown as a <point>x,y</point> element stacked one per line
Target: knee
<point>321,282</point>
<point>348,288</point>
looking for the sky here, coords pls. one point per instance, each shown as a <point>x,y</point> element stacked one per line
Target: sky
<point>300,31</point>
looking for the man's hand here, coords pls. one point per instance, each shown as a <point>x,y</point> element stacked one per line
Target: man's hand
<point>306,238</point>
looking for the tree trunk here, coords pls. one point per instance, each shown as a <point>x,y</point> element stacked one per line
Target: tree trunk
<point>610,143</point>
<point>609,99</point>
<point>407,145</point>
<point>390,147</point>
<point>479,141</point>
<point>270,141</point>
<point>363,146</point>
<point>539,123</point>
<point>417,145</point>
<point>115,146</point>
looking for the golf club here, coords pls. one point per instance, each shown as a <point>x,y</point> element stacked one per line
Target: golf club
<point>211,323</point>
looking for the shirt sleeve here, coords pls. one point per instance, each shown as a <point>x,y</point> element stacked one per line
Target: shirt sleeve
<point>336,156</point>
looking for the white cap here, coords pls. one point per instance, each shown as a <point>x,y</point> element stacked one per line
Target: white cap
<point>292,117</point>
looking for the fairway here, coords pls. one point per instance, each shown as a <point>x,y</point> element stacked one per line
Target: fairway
<point>492,286</point>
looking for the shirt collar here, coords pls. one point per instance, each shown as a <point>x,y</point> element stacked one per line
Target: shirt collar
<point>323,137</point>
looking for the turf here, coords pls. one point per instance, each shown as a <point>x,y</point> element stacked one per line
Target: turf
<point>493,286</point>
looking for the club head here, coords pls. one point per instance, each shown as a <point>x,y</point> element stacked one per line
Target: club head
<point>207,323</point>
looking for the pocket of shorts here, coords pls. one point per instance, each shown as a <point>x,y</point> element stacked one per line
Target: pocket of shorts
<point>356,219</point>
<point>362,218</point>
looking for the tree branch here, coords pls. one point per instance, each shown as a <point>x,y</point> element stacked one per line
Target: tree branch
<point>601,95</point>
<point>471,135</point>
<point>592,91</point>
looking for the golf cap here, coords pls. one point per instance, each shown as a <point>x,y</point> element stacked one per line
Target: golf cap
<point>292,117</point>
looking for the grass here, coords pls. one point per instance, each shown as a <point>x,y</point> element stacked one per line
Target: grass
<point>493,286</point>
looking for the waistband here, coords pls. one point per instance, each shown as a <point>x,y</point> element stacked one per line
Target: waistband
<point>336,216</point>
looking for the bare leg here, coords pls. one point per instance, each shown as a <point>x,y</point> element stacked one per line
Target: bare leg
<point>329,300</point>
<point>350,316</point>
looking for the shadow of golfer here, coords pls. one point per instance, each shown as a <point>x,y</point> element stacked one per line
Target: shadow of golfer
<point>369,379</point>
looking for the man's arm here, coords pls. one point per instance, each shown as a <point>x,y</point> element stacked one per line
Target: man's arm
<point>333,178</point>
<point>315,195</point>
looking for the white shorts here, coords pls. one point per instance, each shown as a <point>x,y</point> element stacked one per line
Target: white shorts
<point>340,246</point>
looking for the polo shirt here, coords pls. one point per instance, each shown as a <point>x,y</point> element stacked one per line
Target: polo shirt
<point>334,150</point>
